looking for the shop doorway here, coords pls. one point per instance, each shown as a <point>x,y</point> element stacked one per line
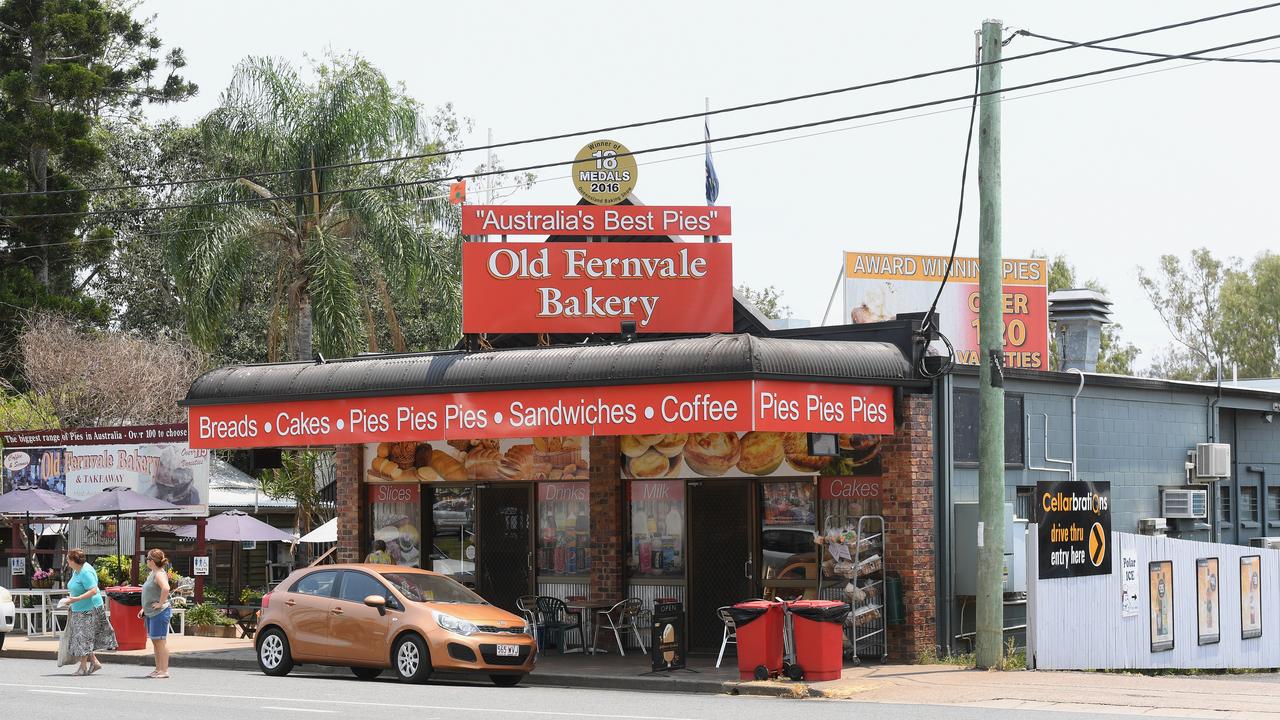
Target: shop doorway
<point>720,556</point>
<point>505,542</point>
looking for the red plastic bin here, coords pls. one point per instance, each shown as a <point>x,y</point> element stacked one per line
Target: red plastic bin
<point>131,630</point>
<point>759,627</point>
<point>817,628</point>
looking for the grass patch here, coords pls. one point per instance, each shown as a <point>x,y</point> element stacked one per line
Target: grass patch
<point>1011,659</point>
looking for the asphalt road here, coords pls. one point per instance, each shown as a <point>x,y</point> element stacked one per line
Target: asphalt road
<point>36,689</point>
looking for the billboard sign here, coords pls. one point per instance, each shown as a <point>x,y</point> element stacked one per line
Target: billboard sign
<point>1075,528</point>
<point>879,286</point>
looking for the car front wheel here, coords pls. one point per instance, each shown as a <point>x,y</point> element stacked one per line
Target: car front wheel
<point>273,653</point>
<point>410,659</point>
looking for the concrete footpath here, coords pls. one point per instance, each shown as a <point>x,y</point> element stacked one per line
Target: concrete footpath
<point>1247,696</point>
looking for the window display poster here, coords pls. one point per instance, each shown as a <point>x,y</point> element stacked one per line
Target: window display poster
<point>1250,597</point>
<point>1160,575</point>
<point>521,459</point>
<point>657,528</point>
<point>745,455</point>
<point>395,515</point>
<point>1207,609</point>
<point>788,503</point>
<point>564,528</point>
<point>1128,582</point>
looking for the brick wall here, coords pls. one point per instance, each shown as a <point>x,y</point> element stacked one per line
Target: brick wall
<point>350,504</point>
<point>908,513</point>
<point>606,519</point>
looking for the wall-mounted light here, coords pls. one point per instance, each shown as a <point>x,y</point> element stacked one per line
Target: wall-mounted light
<point>1269,417</point>
<point>628,330</point>
<point>824,445</point>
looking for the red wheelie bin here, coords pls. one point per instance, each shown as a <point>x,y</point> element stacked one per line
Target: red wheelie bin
<point>759,627</point>
<point>124,603</point>
<point>817,628</point>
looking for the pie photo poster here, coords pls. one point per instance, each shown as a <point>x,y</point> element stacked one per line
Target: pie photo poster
<point>1250,597</point>
<point>1160,599</point>
<point>1208,611</point>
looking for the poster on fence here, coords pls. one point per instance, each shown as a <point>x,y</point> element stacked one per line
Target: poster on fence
<point>1208,613</point>
<point>1160,598</point>
<point>1250,597</point>
<point>1129,582</point>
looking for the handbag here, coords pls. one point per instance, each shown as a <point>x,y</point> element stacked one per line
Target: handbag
<point>64,644</point>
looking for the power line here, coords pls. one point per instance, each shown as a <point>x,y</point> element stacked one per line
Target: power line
<point>744,146</point>
<point>658,121</point>
<point>1096,46</point>
<point>663,148</point>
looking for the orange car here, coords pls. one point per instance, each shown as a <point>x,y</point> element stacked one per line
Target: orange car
<point>374,617</point>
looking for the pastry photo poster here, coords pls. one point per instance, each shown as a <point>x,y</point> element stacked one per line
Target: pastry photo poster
<point>395,514</point>
<point>743,455</point>
<point>1250,597</point>
<point>527,459</point>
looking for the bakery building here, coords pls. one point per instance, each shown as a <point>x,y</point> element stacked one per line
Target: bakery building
<point>686,460</point>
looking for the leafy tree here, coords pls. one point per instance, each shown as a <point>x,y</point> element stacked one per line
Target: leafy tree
<point>1115,354</point>
<point>1251,317</point>
<point>319,251</point>
<point>768,300</point>
<point>64,64</point>
<point>297,479</point>
<point>1188,299</point>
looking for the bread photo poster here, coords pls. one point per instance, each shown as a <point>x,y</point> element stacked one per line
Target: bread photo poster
<point>544,458</point>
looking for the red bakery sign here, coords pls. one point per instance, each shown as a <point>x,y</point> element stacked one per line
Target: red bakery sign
<point>594,287</point>
<point>731,405</point>
<point>596,220</point>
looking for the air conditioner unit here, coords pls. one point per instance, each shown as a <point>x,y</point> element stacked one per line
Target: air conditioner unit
<point>1184,504</point>
<point>1153,526</point>
<point>1270,543</point>
<point>1213,460</point>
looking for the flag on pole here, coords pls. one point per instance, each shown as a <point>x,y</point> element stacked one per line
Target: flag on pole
<point>458,192</point>
<point>712,181</point>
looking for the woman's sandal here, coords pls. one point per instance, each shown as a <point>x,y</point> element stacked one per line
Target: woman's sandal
<point>96,667</point>
<point>161,676</point>
<point>80,672</point>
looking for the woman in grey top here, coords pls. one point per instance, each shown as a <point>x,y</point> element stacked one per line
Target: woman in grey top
<point>156,608</point>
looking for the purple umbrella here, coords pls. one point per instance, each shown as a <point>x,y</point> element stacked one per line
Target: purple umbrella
<point>28,501</point>
<point>117,501</point>
<point>235,526</point>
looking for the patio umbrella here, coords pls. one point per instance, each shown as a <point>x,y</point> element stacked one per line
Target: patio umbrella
<point>326,533</point>
<point>236,526</point>
<point>27,501</point>
<point>117,501</point>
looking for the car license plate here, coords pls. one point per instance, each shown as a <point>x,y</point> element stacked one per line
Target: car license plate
<point>508,651</point>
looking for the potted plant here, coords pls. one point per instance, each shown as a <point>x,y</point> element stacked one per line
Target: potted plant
<point>42,579</point>
<point>251,596</point>
<point>205,620</point>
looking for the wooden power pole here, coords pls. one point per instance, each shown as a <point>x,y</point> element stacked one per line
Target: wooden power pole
<point>990,600</point>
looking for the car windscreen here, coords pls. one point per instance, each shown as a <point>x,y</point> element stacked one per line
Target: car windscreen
<point>421,587</point>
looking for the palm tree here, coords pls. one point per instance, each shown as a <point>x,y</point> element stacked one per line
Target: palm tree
<point>319,252</point>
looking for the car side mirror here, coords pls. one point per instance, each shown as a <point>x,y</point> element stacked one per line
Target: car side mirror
<point>377,601</point>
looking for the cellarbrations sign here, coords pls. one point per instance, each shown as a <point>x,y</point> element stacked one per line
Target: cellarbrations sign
<point>595,287</point>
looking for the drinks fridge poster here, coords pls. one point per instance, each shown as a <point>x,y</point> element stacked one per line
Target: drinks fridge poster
<point>1160,597</point>
<point>657,528</point>
<point>1208,612</point>
<point>1250,597</point>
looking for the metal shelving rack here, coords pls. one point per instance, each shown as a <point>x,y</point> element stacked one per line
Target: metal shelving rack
<point>867,637</point>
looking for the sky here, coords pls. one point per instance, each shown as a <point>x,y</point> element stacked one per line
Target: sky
<point>1111,174</point>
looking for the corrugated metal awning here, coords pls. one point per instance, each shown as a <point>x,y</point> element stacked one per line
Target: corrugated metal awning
<point>712,357</point>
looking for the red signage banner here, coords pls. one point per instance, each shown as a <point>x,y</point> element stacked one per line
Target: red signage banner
<point>849,488</point>
<point>596,220</point>
<point>593,287</point>
<point>724,406</point>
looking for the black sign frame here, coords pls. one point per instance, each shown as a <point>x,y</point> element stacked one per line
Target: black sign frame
<point>668,616</point>
<point>1074,524</point>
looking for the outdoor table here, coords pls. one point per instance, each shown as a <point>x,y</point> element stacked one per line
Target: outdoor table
<point>246,617</point>
<point>589,608</point>
<point>48,601</point>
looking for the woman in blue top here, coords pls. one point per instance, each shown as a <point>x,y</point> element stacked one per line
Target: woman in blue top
<point>87,626</point>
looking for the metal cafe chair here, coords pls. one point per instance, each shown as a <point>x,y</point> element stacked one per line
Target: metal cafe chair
<point>558,622</point>
<point>620,618</point>
<point>528,607</point>
<point>730,634</point>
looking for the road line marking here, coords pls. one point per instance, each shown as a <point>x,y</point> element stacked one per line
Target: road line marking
<point>450,708</point>
<point>294,709</point>
<point>57,692</point>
